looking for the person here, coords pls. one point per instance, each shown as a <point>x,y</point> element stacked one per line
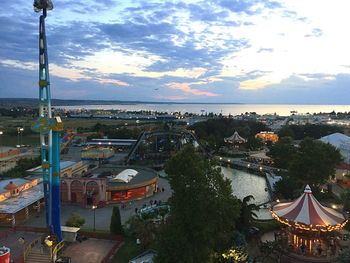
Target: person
<point>303,249</point>
<point>136,210</point>
<point>319,249</point>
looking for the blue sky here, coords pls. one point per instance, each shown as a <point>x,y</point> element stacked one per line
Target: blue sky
<point>252,51</point>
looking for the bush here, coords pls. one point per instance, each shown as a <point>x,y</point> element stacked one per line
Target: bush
<point>75,220</point>
<point>116,224</point>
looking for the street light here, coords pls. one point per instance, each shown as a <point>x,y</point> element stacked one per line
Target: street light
<point>19,134</point>
<point>94,208</point>
<point>1,133</point>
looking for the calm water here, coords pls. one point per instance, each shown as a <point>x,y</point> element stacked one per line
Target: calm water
<point>244,184</point>
<point>226,109</point>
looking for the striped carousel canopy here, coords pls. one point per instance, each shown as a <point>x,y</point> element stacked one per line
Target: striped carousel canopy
<point>307,213</point>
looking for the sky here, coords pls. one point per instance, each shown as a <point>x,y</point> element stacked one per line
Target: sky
<point>228,51</point>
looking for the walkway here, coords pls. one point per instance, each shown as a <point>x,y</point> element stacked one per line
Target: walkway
<point>103,215</point>
<point>89,251</point>
<point>11,241</point>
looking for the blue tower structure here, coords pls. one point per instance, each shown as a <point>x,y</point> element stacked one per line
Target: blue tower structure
<point>49,128</point>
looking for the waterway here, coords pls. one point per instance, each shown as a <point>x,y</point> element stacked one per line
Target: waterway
<point>244,184</point>
<point>225,109</point>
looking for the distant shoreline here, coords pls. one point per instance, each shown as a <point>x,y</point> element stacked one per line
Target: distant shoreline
<point>62,102</point>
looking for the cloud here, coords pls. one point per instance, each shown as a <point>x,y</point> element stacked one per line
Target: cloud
<point>265,50</point>
<point>316,32</point>
<point>186,88</point>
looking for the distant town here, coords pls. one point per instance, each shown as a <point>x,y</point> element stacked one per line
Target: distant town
<point>120,173</point>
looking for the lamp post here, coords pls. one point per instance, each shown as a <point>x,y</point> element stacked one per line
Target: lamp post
<point>1,133</point>
<point>19,135</point>
<point>94,209</point>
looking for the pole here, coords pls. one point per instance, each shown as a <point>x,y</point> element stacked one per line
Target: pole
<point>94,218</point>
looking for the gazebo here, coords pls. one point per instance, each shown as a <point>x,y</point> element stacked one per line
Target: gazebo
<point>235,138</point>
<point>310,223</point>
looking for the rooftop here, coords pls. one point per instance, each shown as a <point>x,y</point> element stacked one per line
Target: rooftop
<point>24,199</point>
<point>63,165</point>
<point>16,181</point>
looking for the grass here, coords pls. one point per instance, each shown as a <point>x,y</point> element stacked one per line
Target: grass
<point>128,251</point>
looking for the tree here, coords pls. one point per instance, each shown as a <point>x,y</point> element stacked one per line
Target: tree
<point>344,256</point>
<point>314,163</point>
<point>282,152</point>
<point>116,227</point>
<point>203,211</point>
<point>142,229</point>
<point>75,220</point>
<point>345,198</point>
<point>286,188</point>
<point>254,143</point>
<point>247,213</point>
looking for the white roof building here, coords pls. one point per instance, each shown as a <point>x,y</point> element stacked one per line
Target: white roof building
<point>341,142</point>
<point>125,175</point>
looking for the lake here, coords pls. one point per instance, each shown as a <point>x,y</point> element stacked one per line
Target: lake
<point>244,184</point>
<point>225,109</point>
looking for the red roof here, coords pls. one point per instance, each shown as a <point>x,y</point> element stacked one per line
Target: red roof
<point>306,210</point>
<point>11,186</point>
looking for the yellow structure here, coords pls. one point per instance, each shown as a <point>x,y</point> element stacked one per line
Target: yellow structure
<point>267,136</point>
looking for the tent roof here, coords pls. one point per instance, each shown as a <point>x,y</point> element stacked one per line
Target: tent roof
<point>307,213</point>
<point>125,175</point>
<point>336,139</point>
<point>235,137</point>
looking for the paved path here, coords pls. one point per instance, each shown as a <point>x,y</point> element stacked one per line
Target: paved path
<point>11,241</point>
<point>89,251</point>
<point>103,215</point>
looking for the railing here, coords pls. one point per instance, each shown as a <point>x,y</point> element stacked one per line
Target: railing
<point>29,248</point>
<point>56,249</point>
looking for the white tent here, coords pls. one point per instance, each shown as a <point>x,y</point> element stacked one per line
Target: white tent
<point>125,175</point>
<point>235,138</point>
<point>341,142</point>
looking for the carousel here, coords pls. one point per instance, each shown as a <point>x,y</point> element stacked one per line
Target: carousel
<point>235,138</point>
<point>311,227</point>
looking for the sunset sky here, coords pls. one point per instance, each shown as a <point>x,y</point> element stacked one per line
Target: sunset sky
<point>251,51</point>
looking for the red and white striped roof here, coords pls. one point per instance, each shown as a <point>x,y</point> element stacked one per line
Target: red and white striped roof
<point>308,211</point>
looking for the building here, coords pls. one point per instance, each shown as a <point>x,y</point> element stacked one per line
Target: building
<point>267,136</point>
<point>19,198</point>
<point>9,157</point>
<point>342,143</point>
<point>110,184</point>
<point>68,169</point>
<point>97,153</point>
<point>84,191</point>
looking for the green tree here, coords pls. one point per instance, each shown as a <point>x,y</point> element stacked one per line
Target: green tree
<point>203,211</point>
<point>344,256</point>
<point>116,227</point>
<point>254,143</point>
<point>286,188</point>
<point>314,163</point>
<point>143,229</point>
<point>75,220</point>
<point>247,213</point>
<point>345,198</point>
<point>282,152</point>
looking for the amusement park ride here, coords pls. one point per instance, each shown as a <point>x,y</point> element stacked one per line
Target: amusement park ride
<point>49,128</point>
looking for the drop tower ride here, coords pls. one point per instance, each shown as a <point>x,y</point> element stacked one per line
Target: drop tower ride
<point>50,129</point>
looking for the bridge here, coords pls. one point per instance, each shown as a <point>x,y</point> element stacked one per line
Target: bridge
<point>247,165</point>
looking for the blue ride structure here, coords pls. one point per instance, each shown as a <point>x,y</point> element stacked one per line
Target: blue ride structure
<point>50,129</point>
